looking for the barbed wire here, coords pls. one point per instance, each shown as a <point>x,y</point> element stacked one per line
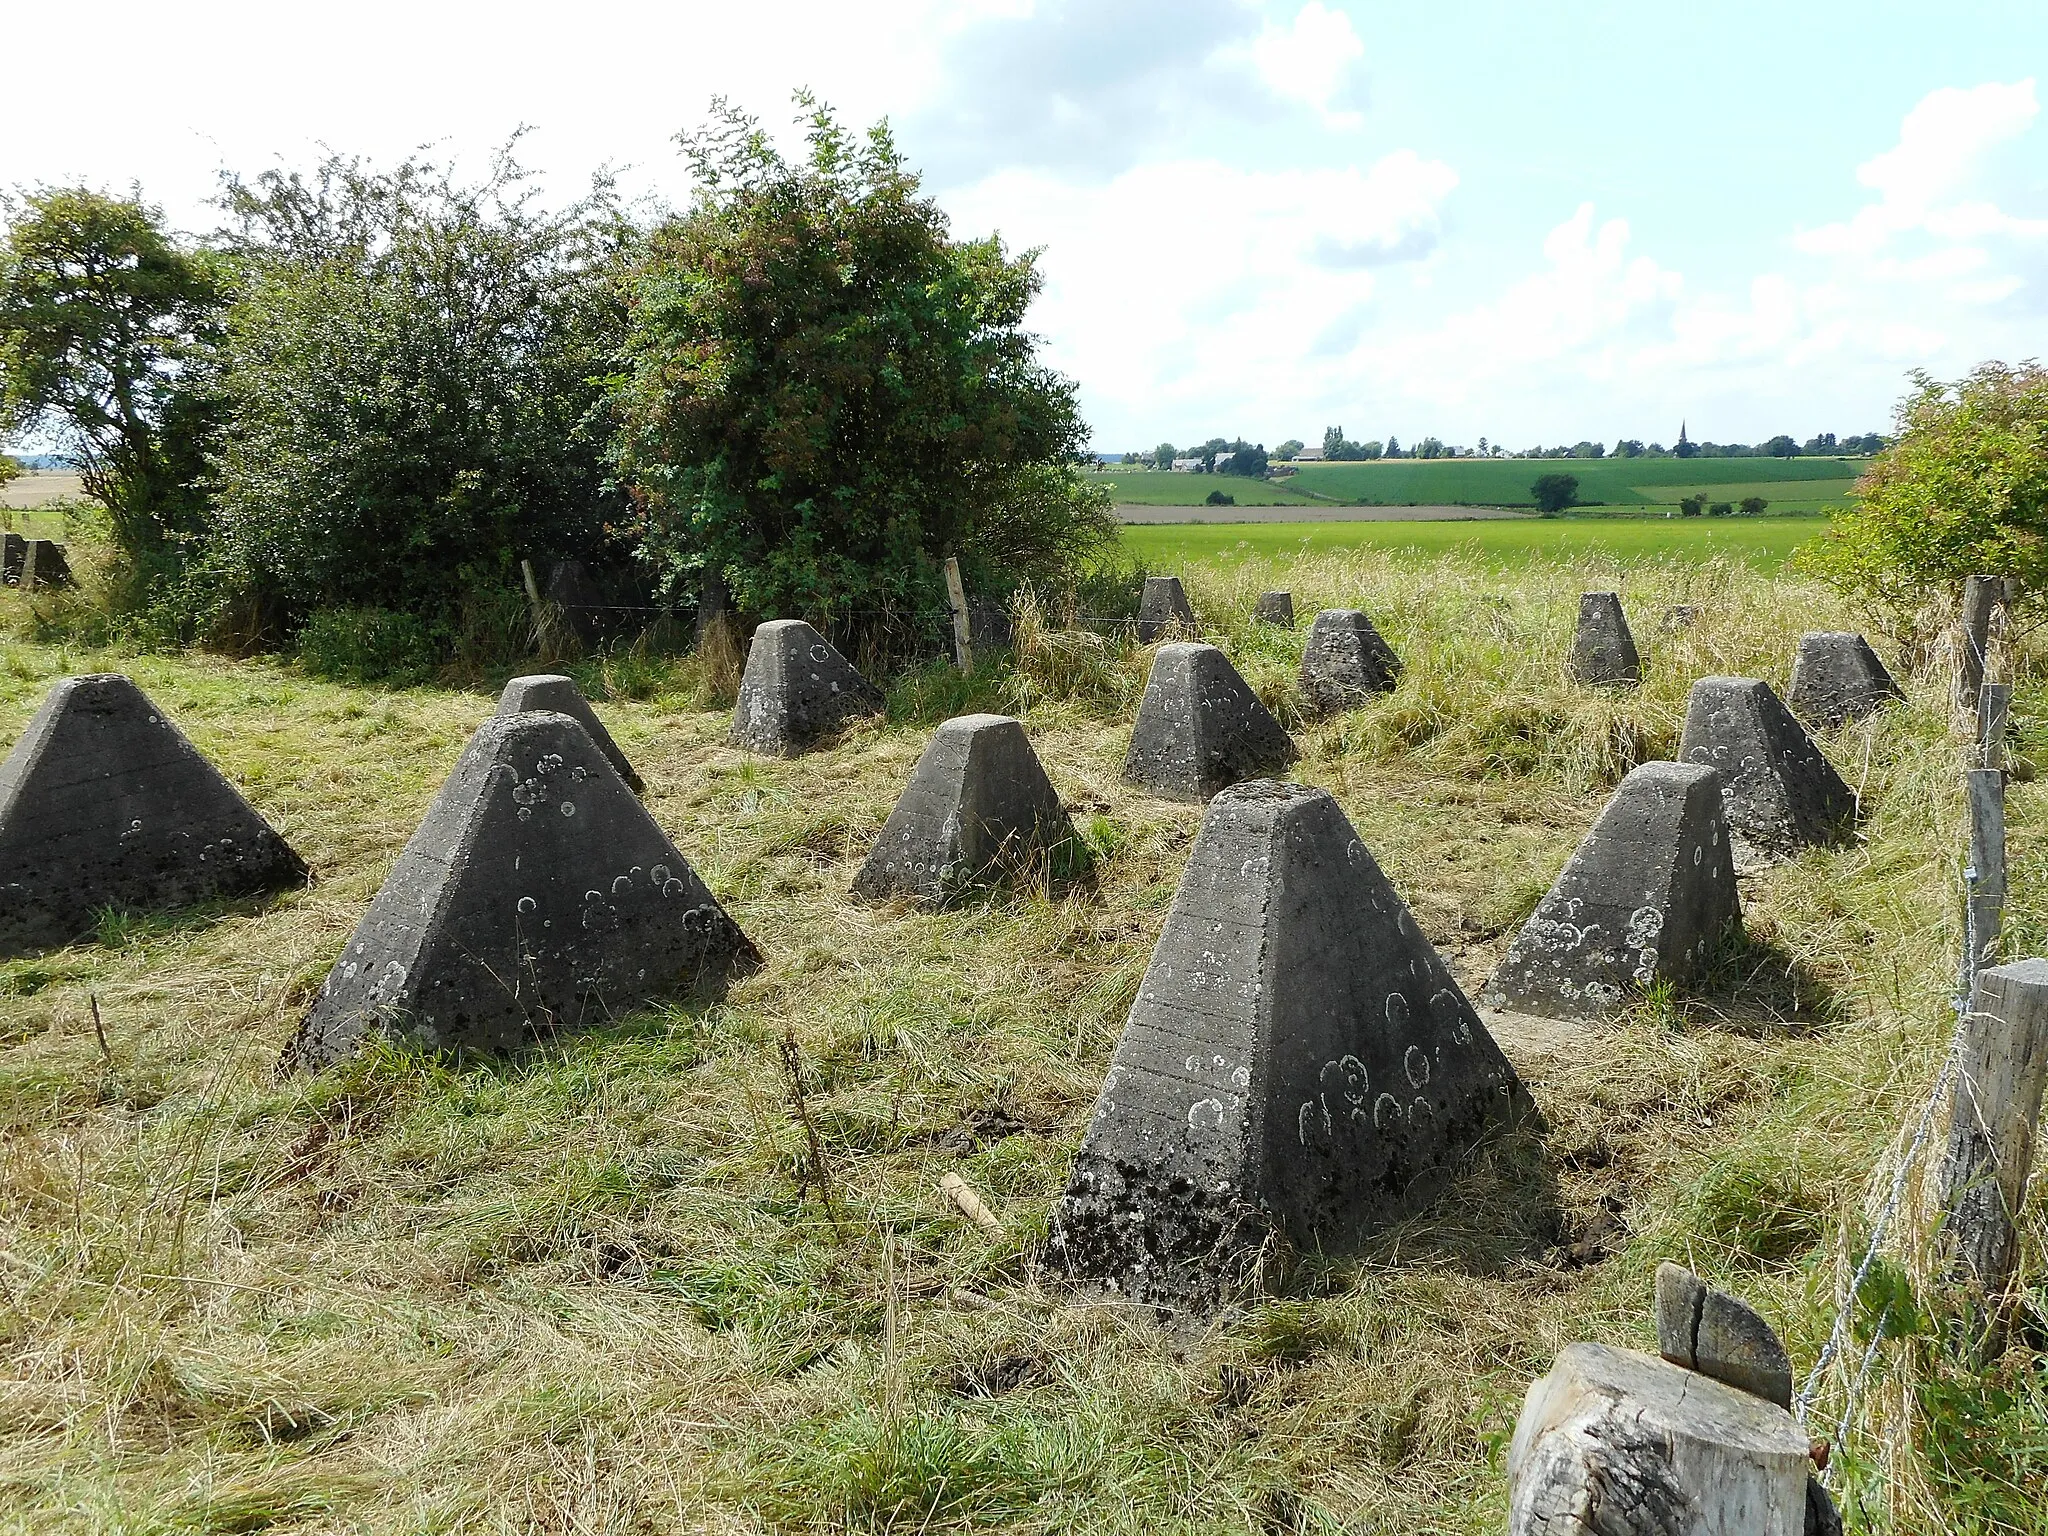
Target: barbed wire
<point>1841,1330</point>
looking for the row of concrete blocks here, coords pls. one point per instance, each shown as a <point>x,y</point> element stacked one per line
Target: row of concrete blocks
<point>1836,677</point>
<point>1300,1068</point>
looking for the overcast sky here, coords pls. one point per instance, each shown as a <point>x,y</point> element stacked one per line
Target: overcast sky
<point>1535,223</point>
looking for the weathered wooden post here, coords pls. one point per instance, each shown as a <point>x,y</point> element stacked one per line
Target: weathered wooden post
<point>1985,789</point>
<point>956,599</point>
<point>1995,1110</point>
<point>1980,595</point>
<point>1994,706</point>
<point>1615,1441</point>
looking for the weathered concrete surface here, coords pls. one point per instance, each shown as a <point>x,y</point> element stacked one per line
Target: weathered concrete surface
<point>978,804</point>
<point>1201,727</point>
<point>1603,651</point>
<point>1616,1443</point>
<point>1780,793</point>
<point>1711,1332</point>
<point>13,549</point>
<point>43,565</point>
<point>796,690</point>
<point>1646,898</point>
<point>1275,608</point>
<point>1346,662</point>
<point>1836,678</point>
<point>104,803</point>
<point>551,690</point>
<point>1299,1067</point>
<point>538,894</point>
<point>1162,606</point>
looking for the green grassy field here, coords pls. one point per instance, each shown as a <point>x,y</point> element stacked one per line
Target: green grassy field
<point>1763,542</point>
<point>593,1288</point>
<point>1790,485</point>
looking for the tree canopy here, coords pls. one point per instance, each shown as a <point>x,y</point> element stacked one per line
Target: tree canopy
<point>407,387</point>
<point>825,394</point>
<point>1554,493</point>
<point>1963,490</point>
<point>104,318</point>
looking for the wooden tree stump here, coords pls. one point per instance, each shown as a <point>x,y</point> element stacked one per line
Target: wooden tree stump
<point>1615,1443</point>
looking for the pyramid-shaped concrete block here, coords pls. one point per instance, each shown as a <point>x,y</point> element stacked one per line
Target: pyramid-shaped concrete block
<point>550,690</point>
<point>13,550</point>
<point>43,565</point>
<point>104,803</point>
<point>1603,651</point>
<point>1836,678</point>
<point>1299,1067</point>
<point>978,804</point>
<point>1646,898</point>
<point>1200,727</point>
<point>796,690</point>
<point>537,895</point>
<point>1346,662</point>
<point>1162,606</point>
<point>1275,608</point>
<point>1780,793</point>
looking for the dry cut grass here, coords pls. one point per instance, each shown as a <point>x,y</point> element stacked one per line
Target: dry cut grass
<point>602,1287</point>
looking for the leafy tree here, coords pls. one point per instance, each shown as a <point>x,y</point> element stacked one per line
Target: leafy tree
<point>104,323</point>
<point>1720,508</point>
<point>825,395</point>
<point>1247,459</point>
<point>1219,499</point>
<point>1964,489</point>
<point>1692,506</point>
<point>408,390</point>
<point>1163,456</point>
<point>1370,449</point>
<point>9,467</point>
<point>1629,448</point>
<point>1431,448</point>
<point>1554,493</point>
<point>1589,450</point>
<point>1780,447</point>
<point>1823,443</point>
<point>1753,506</point>
<point>1289,449</point>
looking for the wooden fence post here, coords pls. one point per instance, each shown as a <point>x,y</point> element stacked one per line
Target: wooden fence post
<point>956,599</point>
<point>1980,595</point>
<point>1996,1107</point>
<point>1994,705</point>
<point>1986,793</point>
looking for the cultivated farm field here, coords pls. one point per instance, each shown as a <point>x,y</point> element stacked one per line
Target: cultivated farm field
<point>598,1287</point>
<point>1790,485</point>
<point>1762,542</point>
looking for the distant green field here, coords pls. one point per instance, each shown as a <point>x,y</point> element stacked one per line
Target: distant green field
<point>1764,542</point>
<point>1790,485</point>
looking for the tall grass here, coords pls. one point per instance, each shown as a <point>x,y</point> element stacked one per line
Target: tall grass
<point>597,1287</point>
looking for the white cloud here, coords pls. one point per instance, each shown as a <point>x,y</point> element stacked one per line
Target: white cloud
<point>1311,61</point>
<point>1921,180</point>
<point>1196,293</point>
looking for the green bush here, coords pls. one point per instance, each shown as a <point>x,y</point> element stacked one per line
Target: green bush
<point>408,392</point>
<point>370,645</point>
<point>826,395</point>
<point>1963,490</point>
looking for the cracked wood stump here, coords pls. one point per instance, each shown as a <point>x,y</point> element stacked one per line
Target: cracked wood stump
<point>1622,1444</point>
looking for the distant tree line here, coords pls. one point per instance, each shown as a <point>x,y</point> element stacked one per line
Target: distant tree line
<point>379,392</point>
<point>1337,448</point>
